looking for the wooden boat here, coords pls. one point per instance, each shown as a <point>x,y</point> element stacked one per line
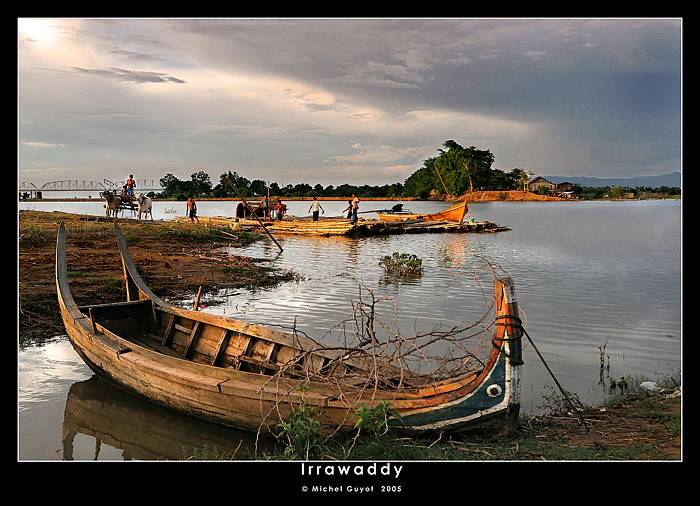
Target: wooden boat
<point>455,213</point>
<point>249,376</point>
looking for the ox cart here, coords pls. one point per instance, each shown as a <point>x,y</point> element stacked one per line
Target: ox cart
<point>118,202</point>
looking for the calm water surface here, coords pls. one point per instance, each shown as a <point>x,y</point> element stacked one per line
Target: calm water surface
<point>586,273</point>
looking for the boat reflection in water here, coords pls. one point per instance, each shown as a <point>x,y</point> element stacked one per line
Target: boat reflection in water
<point>144,431</point>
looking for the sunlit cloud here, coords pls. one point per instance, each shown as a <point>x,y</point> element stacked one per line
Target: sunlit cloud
<point>131,76</point>
<point>39,31</point>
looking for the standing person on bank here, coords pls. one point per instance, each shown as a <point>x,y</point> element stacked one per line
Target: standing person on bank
<point>192,209</point>
<point>355,207</point>
<point>279,210</point>
<point>348,210</point>
<point>315,206</point>
<point>266,208</point>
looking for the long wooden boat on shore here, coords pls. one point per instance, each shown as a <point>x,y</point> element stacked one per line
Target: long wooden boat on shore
<point>249,376</point>
<point>454,214</point>
<point>327,227</point>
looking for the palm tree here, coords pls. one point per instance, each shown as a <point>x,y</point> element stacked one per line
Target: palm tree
<point>524,179</point>
<point>466,165</point>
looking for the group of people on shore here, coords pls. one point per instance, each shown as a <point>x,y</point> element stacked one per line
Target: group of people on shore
<point>280,209</point>
<point>351,210</point>
<point>268,211</point>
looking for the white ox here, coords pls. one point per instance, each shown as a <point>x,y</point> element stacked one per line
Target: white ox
<point>113,204</point>
<point>145,205</point>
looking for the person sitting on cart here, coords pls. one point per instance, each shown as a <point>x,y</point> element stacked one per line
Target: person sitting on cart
<point>130,185</point>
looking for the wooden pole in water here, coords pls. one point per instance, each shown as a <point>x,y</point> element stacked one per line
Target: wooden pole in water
<point>196,300</point>
<point>251,211</point>
<point>441,180</point>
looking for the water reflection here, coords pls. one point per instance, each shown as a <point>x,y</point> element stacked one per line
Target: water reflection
<point>103,422</point>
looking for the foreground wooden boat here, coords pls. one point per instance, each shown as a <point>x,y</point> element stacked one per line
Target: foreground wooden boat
<point>249,376</point>
<point>455,214</point>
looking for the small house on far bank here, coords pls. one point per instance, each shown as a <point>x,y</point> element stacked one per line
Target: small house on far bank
<point>565,187</point>
<point>564,190</point>
<point>537,182</point>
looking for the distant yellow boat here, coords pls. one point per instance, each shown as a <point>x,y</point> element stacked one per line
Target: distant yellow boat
<point>455,213</point>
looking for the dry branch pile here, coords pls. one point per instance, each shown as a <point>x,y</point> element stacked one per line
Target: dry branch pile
<point>373,355</point>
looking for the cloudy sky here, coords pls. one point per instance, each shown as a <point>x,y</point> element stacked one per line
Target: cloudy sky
<point>345,100</point>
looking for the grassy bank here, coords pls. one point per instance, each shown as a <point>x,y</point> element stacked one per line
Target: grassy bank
<point>634,425</point>
<point>173,258</point>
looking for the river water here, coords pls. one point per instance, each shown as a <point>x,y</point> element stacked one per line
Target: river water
<point>586,273</point>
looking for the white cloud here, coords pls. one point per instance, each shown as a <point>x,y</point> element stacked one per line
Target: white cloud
<point>491,55</point>
<point>536,55</point>
<point>43,145</point>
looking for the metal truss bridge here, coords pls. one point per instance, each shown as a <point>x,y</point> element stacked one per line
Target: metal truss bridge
<point>72,185</point>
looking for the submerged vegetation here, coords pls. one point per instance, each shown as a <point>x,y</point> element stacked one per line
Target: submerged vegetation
<point>402,265</point>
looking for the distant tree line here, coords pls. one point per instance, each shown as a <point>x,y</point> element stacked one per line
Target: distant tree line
<point>618,192</point>
<point>200,185</point>
<point>454,171</point>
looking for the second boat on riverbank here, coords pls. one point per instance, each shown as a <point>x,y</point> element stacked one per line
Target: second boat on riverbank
<point>326,227</point>
<point>454,214</point>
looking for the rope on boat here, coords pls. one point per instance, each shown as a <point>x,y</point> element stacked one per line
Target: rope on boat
<point>519,324</point>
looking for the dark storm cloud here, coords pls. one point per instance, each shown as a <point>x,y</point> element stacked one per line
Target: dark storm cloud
<point>520,68</point>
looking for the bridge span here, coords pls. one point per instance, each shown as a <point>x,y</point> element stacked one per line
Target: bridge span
<point>73,185</point>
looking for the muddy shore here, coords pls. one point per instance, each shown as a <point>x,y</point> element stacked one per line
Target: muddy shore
<point>174,259</point>
<point>632,427</point>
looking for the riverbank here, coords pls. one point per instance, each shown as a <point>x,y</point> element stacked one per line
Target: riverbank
<point>511,196</point>
<point>635,426</point>
<point>637,429</point>
<point>174,259</point>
